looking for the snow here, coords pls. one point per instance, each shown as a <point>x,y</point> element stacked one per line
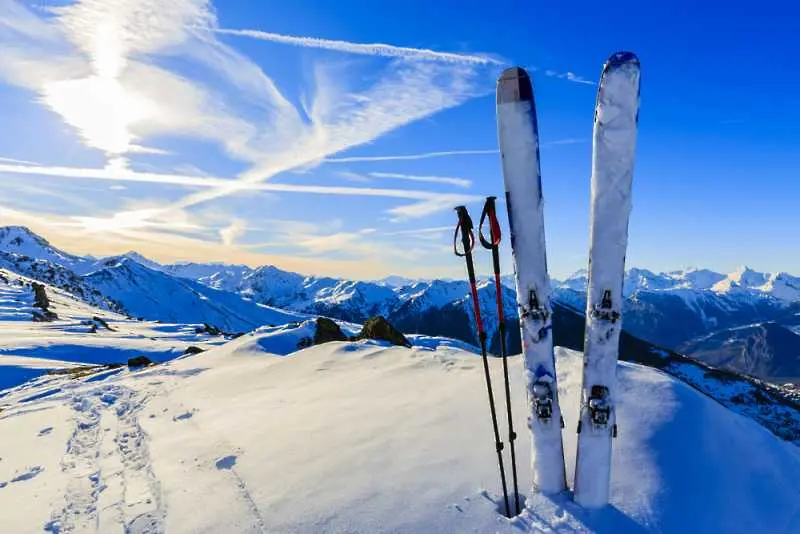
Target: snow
<point>20,240</point>
<point>78,335</point>
<point>156,295</point>
<point>693,284</point>
<point>360,437</point>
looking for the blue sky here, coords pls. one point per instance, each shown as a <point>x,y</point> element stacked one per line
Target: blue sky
<point>229,132</point>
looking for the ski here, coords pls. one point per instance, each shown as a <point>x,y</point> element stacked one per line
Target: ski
<point>614,145</point>
<point>519,149</point>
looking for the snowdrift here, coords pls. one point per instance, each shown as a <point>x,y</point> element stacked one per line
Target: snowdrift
<point>360,437</point>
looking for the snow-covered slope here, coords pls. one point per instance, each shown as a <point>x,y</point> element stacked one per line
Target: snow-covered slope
<point>761,349</point>
<point>78,334</point>
<point>348,437</point>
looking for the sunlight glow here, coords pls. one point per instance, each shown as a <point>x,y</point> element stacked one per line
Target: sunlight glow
<point>126,220</point>
<point>101,109</point>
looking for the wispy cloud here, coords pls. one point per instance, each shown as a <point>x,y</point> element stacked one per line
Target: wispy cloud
<point>428,207</point>
<point>353,177</point>
<point>442,154</point>
<point>569,76</point>
<point>207,182</point>
<point>17,161</point>
<point>434,230</point>
<point>125,75</point>
<point>369,49</point>
<point>568,141</point>
<point>411,157</point>
<point>460,182</point>
<point>231,233</point>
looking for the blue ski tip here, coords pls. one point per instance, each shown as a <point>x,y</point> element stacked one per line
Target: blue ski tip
<point>514,85</point>
<point>619,59</point>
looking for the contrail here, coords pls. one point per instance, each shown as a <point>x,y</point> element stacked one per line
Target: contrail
<point>424,155</point>
<point>233,185</point>
<point>460,182</point>
<point>368,49</point>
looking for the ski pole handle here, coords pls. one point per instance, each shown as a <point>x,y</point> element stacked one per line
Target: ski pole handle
<point>490,211</point>
<point>465,226</point>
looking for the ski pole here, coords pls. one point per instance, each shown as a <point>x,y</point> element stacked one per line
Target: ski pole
<point>493,243</point>
<point>465,226</point>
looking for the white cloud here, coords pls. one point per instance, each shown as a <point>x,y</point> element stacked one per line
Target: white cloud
<point>460,182</point>
<point>230,234</point>
<point>17,161</point>
<point>107,68</point>
<point>405,157</point>
<point>568,141</point>
<point>215,184</point>
<point>569,76</point>
<point>353,177</point>
<point>429,207</point>
<point>421,231</point>
<point>372,49</point>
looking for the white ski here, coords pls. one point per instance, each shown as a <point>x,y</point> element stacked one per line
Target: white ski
<point>519,148</point>
<point>615,124</point>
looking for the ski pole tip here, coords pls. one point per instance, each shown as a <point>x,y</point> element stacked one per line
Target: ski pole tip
<point>514,85</point>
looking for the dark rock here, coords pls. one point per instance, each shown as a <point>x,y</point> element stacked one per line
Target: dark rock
<point>101,322</point>
<point>43,317</point>
<point>328,330</point>
<point>139,361</point>
<point>40,296</point>
<point>209,329</point>
<point>193,350</point>
<point>379,328</point>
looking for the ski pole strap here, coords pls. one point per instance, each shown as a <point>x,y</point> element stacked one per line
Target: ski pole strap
<point>490,211</point>
<point>464,227</point>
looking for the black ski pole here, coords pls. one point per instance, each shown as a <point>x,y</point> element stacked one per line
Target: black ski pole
<point>468,242</point>
<point>493,243</point>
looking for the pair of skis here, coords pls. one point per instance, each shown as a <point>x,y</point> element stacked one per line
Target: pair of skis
<point>614,140</point>
<point>465,230</point>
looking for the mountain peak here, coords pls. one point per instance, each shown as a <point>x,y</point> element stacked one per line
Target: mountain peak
<point>15,235</point>
<point>747,277</point>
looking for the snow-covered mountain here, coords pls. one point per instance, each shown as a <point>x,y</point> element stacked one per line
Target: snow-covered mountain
<point>21,241</point>
<point>219,442</point>
<point>761,349</point>
<point>151,294</point>
<point>670,309</point>
<point>744,281</point>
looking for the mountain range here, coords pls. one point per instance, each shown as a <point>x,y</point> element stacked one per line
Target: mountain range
<point>747,320</point>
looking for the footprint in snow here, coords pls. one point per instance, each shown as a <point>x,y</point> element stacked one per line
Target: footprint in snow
<point>29,474</point>
<point>183,416</point>
<point>45,431</point>
<point>226,462</point>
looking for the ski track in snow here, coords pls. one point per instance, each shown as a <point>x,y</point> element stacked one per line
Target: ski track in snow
<point>108,451</point>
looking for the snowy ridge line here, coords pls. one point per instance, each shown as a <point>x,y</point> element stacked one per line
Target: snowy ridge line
<point>240,297</point>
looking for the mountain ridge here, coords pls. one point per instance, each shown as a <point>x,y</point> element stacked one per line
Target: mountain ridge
<point>670,309</point>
